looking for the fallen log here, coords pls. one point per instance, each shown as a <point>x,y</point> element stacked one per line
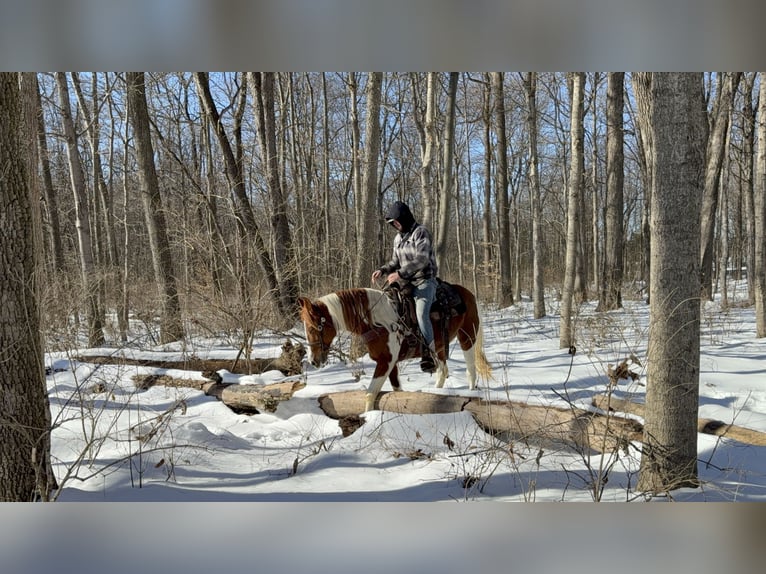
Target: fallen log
<point>704,425</point>
<point>253,399</point>
<point>242,399</point>
<point>289,363</point>
<point>510,419</point>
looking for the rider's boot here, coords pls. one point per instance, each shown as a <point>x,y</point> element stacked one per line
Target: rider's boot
<point>428,360</point>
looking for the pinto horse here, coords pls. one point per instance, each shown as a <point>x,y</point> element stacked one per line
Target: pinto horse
<point>370,314</point>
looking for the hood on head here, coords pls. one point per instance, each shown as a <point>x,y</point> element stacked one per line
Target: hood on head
<point>400,212</point>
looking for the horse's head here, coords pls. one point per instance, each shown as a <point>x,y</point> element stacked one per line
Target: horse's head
<point>320,329</point>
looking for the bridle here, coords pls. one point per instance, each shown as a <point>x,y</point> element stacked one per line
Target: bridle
<point>322,347</point>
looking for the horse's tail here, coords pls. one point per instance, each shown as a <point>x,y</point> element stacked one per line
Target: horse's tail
<point>483,368</point>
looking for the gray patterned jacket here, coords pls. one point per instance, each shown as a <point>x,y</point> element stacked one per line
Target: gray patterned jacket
<point>413,256</point>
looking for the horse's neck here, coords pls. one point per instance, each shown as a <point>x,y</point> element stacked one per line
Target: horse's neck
<point>359,310</point>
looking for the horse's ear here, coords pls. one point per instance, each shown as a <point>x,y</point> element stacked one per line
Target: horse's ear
<point>304,302</point>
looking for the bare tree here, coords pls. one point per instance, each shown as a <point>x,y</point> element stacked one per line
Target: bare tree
<point>365,246</point>
<point>442,233</point>
<point>611,293</point>
<point>89,275</point>
<point>716,143</point>
<point>669,458</point>
<point>501,193</point>
<point>760,214</point>
<point>427,131</point>
<point>171,326</point>
<point>24,411</point>
<point>574,194</point>
<point>538,288</point>
<point>246,222</point>
<point>284,261</point>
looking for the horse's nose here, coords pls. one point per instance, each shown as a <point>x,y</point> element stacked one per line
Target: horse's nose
<point>315,362</point>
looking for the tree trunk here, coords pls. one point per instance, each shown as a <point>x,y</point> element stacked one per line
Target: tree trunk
<point>719,123</point>
<point>284,263</point>
<point>368,226</point>
<point>49,193</point>
<point>427,145</point>
<point>171,326</point>
<point>538,286</point>
<point>642,87</point>
<point>759,204</point>
<point>611,294</point>
<point>747,180</point>
<point>669,458</point>
<point>245,217</point>
<point>24,411</point>
<point>567,338</point>
<point>442,234</point>
<point>501,192</point>
<point>88,271</point>
<point>489,265</point>
<point>544,425</point>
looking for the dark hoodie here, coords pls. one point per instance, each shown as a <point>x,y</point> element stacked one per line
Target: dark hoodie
<point>413,255</point>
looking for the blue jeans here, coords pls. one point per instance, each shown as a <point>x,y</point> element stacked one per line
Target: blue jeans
<point>424,295</point>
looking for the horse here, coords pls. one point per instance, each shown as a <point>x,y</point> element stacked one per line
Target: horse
<point>370,314</point>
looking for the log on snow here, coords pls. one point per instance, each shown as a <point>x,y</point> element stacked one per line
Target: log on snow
<point>253,398</point>
<point>520,421</point>
<point>704,426</point>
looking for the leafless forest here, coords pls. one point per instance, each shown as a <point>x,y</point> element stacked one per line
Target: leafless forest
<point>213,199</point>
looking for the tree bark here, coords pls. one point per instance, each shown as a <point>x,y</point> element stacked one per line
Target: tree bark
<point>442,233</point>
<point>24,411</point>
<point>538,286</point>
<point>759,204</point>
<point>171,325</point>
<point>669,459</point>
<point>501,193</point>
<point>611,294</point>
<point>367,224</point>
<point>719,123</point>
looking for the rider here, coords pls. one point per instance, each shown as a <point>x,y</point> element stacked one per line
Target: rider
<point>413,262</point>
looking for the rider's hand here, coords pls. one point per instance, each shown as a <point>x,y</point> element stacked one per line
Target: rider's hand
<point>376,275</point>
<point>393,277</point>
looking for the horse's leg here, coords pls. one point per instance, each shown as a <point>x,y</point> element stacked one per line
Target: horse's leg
<point>469,353</point>
<point>393,376</point>
<point>384,353</point>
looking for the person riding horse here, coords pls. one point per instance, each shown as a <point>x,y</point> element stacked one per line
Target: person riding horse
<point>413,262</point>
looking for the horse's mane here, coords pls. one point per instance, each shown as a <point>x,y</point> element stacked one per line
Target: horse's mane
<point>358,310</point>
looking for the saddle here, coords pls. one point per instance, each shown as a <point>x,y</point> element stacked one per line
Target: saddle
<point>447,304</point>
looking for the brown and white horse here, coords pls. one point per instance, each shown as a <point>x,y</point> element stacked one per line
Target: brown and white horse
<point>370,314</point>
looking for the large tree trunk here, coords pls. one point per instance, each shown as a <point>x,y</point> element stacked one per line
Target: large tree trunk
<point>367,228</point>
<point>538,287</point>
<point>669,458</point>
<point>567,337</point>
<point>747,180</point>
<point>611,294</point>
<point>24,412</point>
<point>501,192</point>
<point>171,326</point>
<point>90,281</point>
<point>759,204</point>
<point>442,233</point>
